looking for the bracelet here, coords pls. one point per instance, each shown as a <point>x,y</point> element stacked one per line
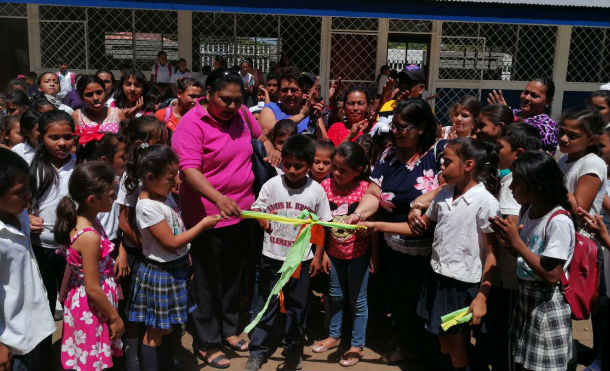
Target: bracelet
<point>416,205</point>
<point>359,216</point>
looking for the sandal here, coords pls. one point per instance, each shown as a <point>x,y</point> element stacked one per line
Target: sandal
<point>238,347</point>
<point>350,359</point>
<point>319,348</point>
<point>216,362</point>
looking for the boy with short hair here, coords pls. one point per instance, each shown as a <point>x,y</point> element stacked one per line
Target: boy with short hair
<point>24,295</point>
<point>286,195</point>
<point>161,75</point>
<point>67,79</point>
<point>514,140</point>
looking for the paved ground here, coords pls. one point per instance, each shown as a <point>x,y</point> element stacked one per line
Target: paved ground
<point>328,361</point>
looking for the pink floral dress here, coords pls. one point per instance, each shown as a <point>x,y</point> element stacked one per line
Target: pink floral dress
<point>86,341</point>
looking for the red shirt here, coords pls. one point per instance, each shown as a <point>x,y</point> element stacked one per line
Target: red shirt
<point>337,132</point>
<point>344,244</point>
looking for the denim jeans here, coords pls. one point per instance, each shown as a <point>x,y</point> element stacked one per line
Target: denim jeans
<point>348,283</point>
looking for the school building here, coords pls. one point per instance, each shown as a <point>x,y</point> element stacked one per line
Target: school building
<point>465,47</point>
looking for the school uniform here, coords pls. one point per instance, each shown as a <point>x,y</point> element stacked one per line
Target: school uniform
<point>457,258</point>
<point>159,297</point>
<point>51,264</point>
<point>24,296</point>
<point>541,326</point>
<point>25,150</point>
<point>277,198</point>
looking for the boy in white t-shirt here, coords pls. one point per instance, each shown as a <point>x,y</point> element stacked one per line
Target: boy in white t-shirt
<point>286,195</point>
<point>24,295</point>
<point>67,79</point>
<point>161,74</point>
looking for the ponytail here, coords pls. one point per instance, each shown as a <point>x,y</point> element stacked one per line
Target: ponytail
<point>485,158</point>
<point>66,220</point>
<point>88,179</point>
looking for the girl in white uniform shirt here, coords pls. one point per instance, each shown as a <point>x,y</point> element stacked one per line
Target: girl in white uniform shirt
<point>28,124</point>
<point>463,256</point>
<point>49,175</point>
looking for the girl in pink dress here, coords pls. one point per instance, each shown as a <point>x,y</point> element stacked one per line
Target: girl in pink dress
<point>92,327</point>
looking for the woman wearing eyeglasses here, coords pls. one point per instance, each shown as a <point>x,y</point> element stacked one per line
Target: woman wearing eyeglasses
<point>404,172</point>
<point>295,104</point>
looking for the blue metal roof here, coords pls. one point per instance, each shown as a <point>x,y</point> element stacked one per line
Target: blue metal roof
<point>405,9</point>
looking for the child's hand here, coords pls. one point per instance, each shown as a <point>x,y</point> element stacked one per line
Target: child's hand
<point>595,224</point>
<point>478,308</point>
<point>371,227</point>
<point>507,232</point>
<point>317,266</point>
<point>6,357</point>
<point>211,221</point>
<point>274,157</point>
<point>265,225</point>
<point>374,262</point>
<point>117,328</point>
<point>496,97</point>
<point>36,224</point>
<point>121,267</point>
<point>416,222</point>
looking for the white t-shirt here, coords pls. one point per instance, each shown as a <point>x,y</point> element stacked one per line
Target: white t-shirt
<point>25,319</point>
<point>178,75</point>
<point>276,198</point>
<point>110,220</point>
<point>555,241</point>
<point>458,246</point>
<point>48,205</point>
<point>506,274</point>
<point>163,73</point>
<point>26,151</point>
<point>588,164</point>
<point>65,84</point>
<point>150,212</point>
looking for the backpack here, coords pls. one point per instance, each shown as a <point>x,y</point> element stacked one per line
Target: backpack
<point>581,290</point>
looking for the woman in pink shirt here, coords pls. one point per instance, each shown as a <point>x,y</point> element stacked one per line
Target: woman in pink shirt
<point>213,142</point>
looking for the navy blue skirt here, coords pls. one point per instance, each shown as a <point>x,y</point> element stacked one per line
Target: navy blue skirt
<point>441,295</point>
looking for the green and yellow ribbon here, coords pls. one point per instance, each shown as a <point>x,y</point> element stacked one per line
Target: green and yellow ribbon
<point>296,253</point>
<point>455,318</point>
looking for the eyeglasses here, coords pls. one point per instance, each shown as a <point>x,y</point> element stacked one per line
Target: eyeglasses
<point>292,90</point>
<point>402,129</point>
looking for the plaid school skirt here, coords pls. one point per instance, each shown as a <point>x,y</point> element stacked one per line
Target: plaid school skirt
<point>541,329</point>
<point>159,296</point>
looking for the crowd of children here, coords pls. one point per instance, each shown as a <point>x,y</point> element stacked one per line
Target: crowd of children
<point>477,214</point>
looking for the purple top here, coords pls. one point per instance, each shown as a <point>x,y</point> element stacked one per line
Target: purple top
<point>73,100</point>
<point>547,128</point>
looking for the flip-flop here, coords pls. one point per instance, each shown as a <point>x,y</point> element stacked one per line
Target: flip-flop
<point>350,359</point>
<point>216,362</point>
<point>238,347</point>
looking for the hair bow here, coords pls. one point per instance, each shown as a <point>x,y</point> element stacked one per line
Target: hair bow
<point>89,135</point>
<point>20,77</point>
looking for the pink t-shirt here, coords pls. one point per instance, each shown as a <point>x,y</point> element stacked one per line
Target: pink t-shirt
<point>222,154</point>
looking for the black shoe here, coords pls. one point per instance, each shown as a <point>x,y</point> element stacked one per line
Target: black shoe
<point>291,364</point>
<point>254,363</point>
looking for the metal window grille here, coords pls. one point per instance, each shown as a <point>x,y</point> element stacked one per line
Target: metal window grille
<point>92,38</point>
<point>360,24</point>
<point>353,50</point>
<point>589,59</point>
<point>512,52</point>
<point>410,26</point>
<point>262,38</point>
<point>12,10</point>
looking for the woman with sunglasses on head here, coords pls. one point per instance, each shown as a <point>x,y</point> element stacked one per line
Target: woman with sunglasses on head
<point>405,171</point>
<point>296,104</point>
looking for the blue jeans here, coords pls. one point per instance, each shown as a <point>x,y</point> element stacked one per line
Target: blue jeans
<point>349,277</point>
